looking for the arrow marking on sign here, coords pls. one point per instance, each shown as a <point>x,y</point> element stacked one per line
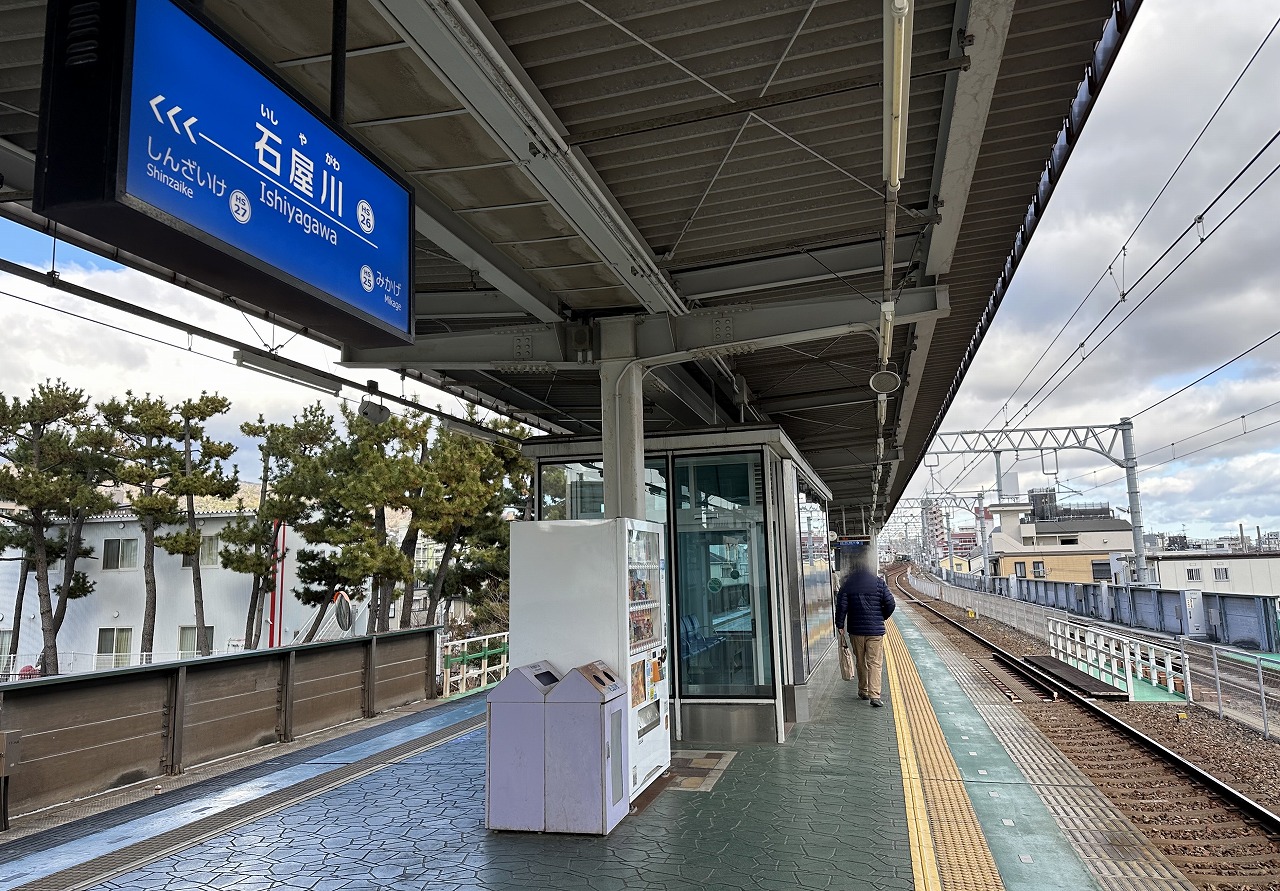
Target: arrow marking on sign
<point>154,102</point>
<point>173,111</point>
<point>186,125</point>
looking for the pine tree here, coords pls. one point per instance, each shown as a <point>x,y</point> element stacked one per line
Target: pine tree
<point>146,435</point>
<point>200,472</point>
<point>251,542</point>
<point>43,441</point>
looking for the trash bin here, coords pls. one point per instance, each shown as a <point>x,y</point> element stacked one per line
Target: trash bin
<point>586,752</point>
<point>515,787</point>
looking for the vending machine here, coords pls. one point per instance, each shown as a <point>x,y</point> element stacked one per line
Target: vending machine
<point>588,590</point>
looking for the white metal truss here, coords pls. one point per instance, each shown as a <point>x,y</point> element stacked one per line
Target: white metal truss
<point>1105,440</point>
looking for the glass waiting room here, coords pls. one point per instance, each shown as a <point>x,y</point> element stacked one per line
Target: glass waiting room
<point>749,574</point>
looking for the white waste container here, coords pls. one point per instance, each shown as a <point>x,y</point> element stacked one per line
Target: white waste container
<point>514,784</point>
<point>586,752</point>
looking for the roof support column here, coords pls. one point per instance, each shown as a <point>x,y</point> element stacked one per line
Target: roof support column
<point>622,414</point>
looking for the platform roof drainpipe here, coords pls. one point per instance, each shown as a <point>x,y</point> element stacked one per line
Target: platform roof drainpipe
<point>1135,503</point>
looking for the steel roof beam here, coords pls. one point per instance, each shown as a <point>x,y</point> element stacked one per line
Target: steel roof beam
<point>660,340</point>
<point>826,264</point>
<point>456,237</point>
<point>849,459</point>
<point>682,397</point>
<point>458,43</point>
<point>966,106</point>
<point>479,304</point>
<point>818,399</point>
<point>726,109</point>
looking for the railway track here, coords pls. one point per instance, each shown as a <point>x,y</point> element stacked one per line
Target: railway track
<point>1221,839</point>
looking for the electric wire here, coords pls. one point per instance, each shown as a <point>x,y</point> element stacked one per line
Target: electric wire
<point>1151,207</point>
<point>1150,293</point>
<point>1187,438</point>
<point>52,280</point>
<point>1123,249</point>
<point>1206,375</point>
<point>1211,445</point>
<point>1027,410</point>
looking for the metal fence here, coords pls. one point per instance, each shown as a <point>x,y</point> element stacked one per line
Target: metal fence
<point>1233,682</point>
<point>69,737</point>
<point>476,663</point>
<point>1243,621</point>
<point>1123,662</point>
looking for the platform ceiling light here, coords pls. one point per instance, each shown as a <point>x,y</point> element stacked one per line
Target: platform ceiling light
<point>898,16</point>
<point>283,371</point>
<point>475,432</point>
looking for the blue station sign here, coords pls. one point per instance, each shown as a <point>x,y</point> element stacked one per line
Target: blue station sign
<point>211,147</point>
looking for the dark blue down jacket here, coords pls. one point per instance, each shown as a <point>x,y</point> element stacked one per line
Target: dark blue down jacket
<point>864,600</point>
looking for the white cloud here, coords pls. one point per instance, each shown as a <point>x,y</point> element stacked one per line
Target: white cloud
<point>76,345</point>
<point>1221,301</point>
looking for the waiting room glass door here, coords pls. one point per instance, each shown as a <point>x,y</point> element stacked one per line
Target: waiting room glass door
<point>722,594</point>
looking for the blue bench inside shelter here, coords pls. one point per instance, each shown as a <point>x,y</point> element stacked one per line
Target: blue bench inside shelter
<point>692,641</point>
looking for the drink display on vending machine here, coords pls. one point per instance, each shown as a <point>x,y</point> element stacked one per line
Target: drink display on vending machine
<point>647,649</point>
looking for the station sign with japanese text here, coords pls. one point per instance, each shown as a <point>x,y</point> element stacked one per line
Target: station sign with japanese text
<point>215,149</point>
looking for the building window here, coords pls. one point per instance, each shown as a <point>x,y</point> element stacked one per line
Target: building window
<point>1020,569</point>
<point>1029,540</point>
<point>1075,540</point>
<point>1037,568</point>
<point>1220,574</point>
<point>1102,570</point>
<point>114,646</point>
<point>6,661</point>
<point>120,553</point>
<point>208,552</point>
<point>188,646</point>
<point>1193,575</point>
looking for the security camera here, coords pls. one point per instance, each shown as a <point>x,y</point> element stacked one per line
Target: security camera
<point>373,412</point>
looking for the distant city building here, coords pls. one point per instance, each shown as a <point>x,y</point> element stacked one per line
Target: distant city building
<point>1042,539</point>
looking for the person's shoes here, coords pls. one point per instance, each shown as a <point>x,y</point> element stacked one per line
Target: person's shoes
<point>863,696</point>
<point>876,703</point>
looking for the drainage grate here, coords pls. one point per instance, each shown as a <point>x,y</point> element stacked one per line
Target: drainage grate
<point>108,866</point>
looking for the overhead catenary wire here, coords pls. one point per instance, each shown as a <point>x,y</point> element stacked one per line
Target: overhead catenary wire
<point>1027,410</point>
<point>1120,253</point>
<point>1154,288</point>
<point>1211,445</point>
<point>54,281</point>
<point>1150,207</point>
<point>1178,442</point>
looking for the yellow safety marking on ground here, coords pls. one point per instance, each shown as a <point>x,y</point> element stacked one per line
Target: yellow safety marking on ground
<point>924,862</point>
<point>953,852</point>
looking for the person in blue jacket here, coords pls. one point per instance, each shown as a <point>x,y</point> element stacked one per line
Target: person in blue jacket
<point>862,605</point>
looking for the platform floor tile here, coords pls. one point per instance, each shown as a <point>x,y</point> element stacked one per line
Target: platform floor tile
<point>823,811</point>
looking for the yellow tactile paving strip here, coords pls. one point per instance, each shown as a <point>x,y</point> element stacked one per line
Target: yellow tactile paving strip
<point>948,849</point>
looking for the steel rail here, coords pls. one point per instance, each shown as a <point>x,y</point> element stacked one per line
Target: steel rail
<point>1235,798</point>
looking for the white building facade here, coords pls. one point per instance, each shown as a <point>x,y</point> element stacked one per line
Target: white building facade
<point>1257,573</point>
<point>104,629</point>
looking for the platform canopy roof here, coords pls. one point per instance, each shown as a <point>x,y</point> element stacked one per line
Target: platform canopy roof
<point>716,168</point>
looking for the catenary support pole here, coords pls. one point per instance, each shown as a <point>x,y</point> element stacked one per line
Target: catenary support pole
<point>1135,503</point>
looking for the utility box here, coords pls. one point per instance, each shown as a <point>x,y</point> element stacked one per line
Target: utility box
<point>1194,615</point>
<point>587,752</point>
<point>515,788</point>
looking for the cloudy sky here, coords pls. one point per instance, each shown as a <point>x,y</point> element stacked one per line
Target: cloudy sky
<point>1175,69</point>
<point>51,335</point>
<point>1177,65</point>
